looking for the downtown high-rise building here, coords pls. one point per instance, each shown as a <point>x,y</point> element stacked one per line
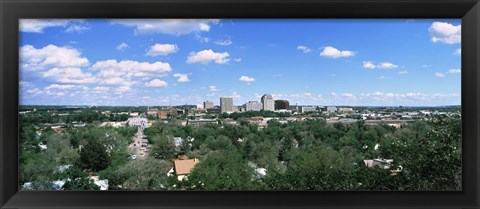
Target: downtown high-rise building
<point>226,105</point>
<point>207,105</point>
<point>282,105</point>
<point>268,102</point>
<point>253,106</point>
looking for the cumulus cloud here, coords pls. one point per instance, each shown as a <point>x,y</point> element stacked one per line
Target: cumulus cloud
<point>382,65</point>
<point>246,79</point>
<point>60,87</point>
<point>213,88</point>
<point>181,77</point>
<point>32,58</point>
<point>101,88</point>
<point>304,49</point>
<point>156,83</point>
<point>381,77</point>
<point>454,71</point>
<point>402,72</point>
<point>332,52</point>
<point>77,28</point>
<point>69,75</point>
<point>439,75</point>
<point>445,33</point>
<point>206,56</point>
<point>167,26</point>
<point>223,42</point>
<point>162,49</point>
<point>121,47</point>
<point>38,25</point>
<point>130,66</point>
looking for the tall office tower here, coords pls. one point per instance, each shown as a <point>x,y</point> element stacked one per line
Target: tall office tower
<point>282,105</point>
<point>253,106</point>
<point>268,102</point>
<point>208,105</point>
<point>226,105</point>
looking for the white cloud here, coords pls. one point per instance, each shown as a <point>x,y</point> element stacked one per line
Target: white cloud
<point>223,42</point>
<point>368,64</point>
<point>162,49</point>
<point>77,28</point>
<point>38,25</point>
<point>130,66</point>
<point>202,39</point>
<point>402,72</point>
<point>332,52</point>
<point>156,83</point>
<point>439,75</point>
<point>32,58</point>
<point>381,77</point>
<point>213,88</point>
<point>445,33</point>
<point>454,71</point>
<point>181,77</point>
<point>101,88</point>
<point>121,47</point>
<point>246,79</point>
<point>382,65</point>
<point>206,56</point>
<point>237,59</point>
<point>167,26</point>
<point>458,52</point>
<point>426,66</point>
<point>347,95</point>
<point>387,65</point>
<point>69,75</point>
<point>60,87</point>
<point>304,49</point>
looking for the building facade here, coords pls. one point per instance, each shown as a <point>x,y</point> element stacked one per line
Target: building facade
<point>226,105</point>
<point>268,102</point>
<point>253,106</point>
<point>282,105</point>
<point>207,105</point>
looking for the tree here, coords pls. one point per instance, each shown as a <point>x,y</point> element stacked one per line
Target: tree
<point>221,170</point>
<point>148,174</point>
<point>81,183</point>
<point>93,156</point>
<point>163,147</point>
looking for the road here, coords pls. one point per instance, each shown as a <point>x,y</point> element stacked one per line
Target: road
<point>138,147</point>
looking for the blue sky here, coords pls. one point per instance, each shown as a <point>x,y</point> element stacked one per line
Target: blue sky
<point>309,62</point>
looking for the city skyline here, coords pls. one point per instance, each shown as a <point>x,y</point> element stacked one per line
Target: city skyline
<point>177,62</point>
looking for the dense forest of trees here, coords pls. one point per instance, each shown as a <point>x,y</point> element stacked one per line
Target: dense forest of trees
<point>301,155</point>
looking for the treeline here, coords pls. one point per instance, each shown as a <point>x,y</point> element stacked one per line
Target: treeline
<point>314,155</point>
<point>301,155</point>
<point>263,113</point>
<point>81,116</point>
<point>71,155</point>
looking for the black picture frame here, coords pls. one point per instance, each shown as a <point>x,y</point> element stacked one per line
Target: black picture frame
<point>12,10</point>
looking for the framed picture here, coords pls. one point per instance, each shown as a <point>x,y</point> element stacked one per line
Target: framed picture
<point>228,104</point>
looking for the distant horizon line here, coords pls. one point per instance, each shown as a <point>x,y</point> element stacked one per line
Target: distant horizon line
<point>239,105</point>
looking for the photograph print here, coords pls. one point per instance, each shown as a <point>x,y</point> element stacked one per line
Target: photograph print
<point>240,104</point>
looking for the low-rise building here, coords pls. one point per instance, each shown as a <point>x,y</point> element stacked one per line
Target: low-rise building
<point>200,122</point>
<point>182,168</point>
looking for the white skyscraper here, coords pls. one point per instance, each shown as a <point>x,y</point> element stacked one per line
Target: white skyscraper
<point>253,106</point>
<point>268,102</point>
<point>226,105</point>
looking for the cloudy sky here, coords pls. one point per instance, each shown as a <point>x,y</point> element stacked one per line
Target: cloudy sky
<point>309,62</point>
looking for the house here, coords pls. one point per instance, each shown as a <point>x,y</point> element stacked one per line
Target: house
<point>183,167</point>
<point>382,163</point>
<point>103,184</point>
